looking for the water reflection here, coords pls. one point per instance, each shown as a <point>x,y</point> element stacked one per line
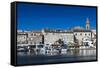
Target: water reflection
<point>70,56</point>
<point>82,52</point>
<point>70,52</point>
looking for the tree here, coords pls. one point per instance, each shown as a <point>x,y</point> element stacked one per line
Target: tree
<point>60,41</point>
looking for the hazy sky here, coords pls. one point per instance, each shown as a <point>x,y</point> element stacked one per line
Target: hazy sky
<point>37,17</point>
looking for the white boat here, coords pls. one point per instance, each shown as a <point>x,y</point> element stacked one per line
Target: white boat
<point>88,44</point>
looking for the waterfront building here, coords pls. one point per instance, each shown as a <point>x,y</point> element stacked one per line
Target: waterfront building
<point>82,34</point>
<point>52,36</point>
<point>22,37</point>
<point>94,36</point>
<point>48,40</point>
<point>35,37</point>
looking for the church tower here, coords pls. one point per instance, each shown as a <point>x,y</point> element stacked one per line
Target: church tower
<point>87,24</point>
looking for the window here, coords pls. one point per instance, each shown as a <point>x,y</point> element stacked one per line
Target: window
<point>34,34</point>
<point>76,34</point>
<point>85,34</point>
<point>80,33</point>
<point>47,44</point>
<point>87,27</point>
<point>31,34</point>
<point>30,42</point>
<point>40,42</point>
<point>24,37</point>
<point>89,34</point>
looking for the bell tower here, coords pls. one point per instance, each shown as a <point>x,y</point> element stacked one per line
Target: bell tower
<point>87,24</point>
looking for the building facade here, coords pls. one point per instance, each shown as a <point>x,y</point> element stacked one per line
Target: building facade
<point>22,38</point>
<point>82,35</point>
<point>51,36</point>
<point>35,37</point>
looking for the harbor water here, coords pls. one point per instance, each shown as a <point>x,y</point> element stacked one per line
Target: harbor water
<point>72,55</point>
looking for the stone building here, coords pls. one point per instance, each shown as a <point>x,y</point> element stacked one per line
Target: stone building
<point>87,24</point>
<point>94,36</point>
<point>48,36</point>
<point>35,37</point>
<point>51,36</point>
<point>82,35</point>
<point>22,38</point>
